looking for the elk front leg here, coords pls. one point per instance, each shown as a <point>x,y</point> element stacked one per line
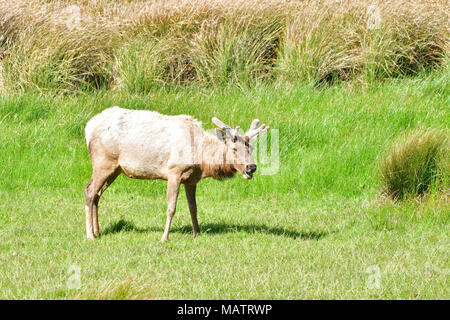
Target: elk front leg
<point>173,187</point>
<point>89,199</point>
<point>101,178</point>
<point>110,179</point>
<point>190,195</point>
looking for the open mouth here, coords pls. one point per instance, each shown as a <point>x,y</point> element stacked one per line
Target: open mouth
<point>247,175</point>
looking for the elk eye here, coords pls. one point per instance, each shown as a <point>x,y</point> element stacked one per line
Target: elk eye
<point>234,149</point>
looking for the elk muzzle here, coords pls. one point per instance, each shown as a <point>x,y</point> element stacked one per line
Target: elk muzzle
<point>250,169</point>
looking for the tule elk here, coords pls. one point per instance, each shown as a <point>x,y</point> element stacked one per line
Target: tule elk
<point>148,145</point>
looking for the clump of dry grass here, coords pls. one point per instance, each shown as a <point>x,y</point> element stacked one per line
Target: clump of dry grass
<point>416,162</point>
<point>327,40</point>
<point>240,52</point>
<point>142,44</point>
<point>43,50</point>
<point>152,63</point>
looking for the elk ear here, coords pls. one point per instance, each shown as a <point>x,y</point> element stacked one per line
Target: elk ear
<point>221,134</point>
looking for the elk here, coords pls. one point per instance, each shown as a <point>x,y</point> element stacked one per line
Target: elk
<point>149,145</point>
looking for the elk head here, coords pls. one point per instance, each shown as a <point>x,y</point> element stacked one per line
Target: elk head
<point>239,150</point>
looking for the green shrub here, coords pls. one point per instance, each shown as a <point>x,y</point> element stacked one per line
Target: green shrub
<point>416,162</point>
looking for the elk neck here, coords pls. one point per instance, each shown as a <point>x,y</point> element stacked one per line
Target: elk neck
<point>214,162</point>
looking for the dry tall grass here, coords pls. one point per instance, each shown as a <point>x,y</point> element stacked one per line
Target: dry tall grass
<point>326,40</point>
<point>141,44</point>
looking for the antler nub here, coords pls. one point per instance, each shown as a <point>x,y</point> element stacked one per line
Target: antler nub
<point>220,124</point>
<point>254,130</point>
<point>254,124</point>
<point>252,133</point>
<point>227,128</point>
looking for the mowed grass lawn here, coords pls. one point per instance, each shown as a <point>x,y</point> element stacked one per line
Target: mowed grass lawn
<point>318,228</point>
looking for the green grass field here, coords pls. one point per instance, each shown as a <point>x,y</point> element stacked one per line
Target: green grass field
<point>318,228</point>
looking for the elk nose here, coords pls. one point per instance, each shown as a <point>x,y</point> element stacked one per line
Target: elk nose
<point>251,168</point>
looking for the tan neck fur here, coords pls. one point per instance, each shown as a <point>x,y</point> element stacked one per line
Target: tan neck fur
<point>214,163</point>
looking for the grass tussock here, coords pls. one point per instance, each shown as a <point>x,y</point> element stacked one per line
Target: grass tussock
<point>124,290</point>
<point>415,163</point>
<point>142,44</point>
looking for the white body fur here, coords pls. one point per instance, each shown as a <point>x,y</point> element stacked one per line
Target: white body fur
<point>146,143</point>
